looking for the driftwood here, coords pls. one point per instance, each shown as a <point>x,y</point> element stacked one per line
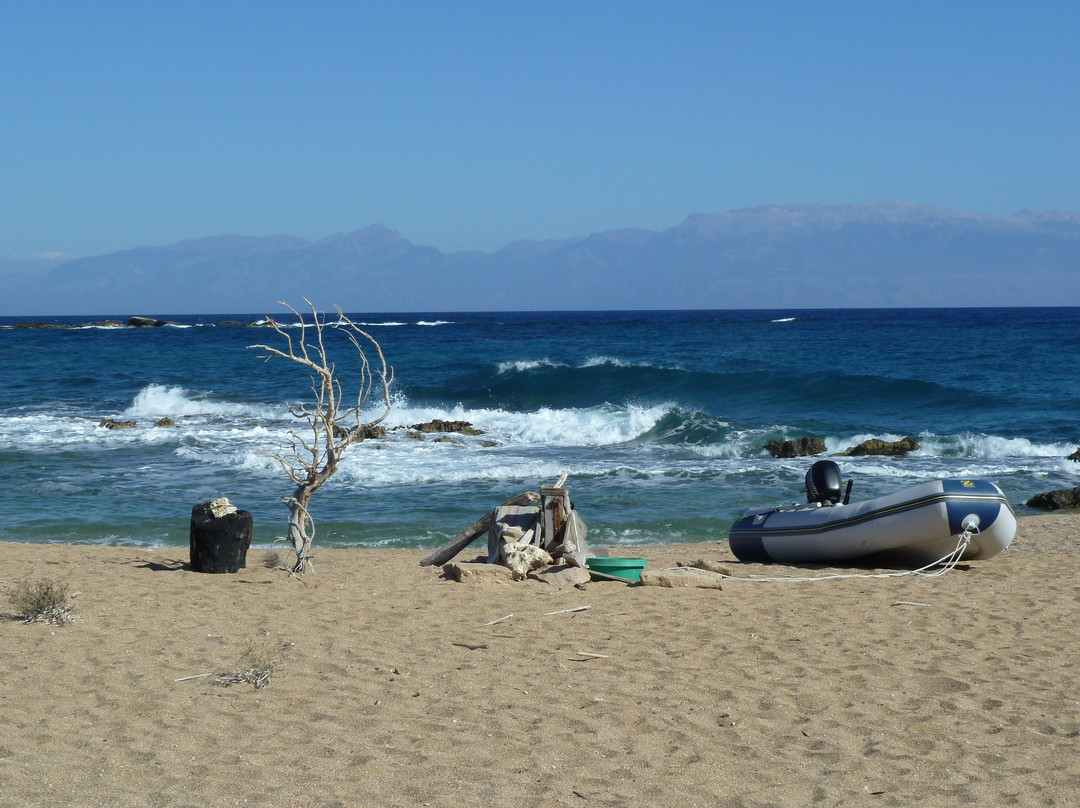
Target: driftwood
<point>473,531</point>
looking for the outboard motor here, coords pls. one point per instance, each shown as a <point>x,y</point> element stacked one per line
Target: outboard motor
<point>823,483</point>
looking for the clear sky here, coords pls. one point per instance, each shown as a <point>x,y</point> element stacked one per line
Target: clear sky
<point>467,125</point>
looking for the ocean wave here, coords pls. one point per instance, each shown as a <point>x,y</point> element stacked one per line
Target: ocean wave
<point>159,401</point>
<point>987,447</point>
<point>524,365</point>
<point>598,361</point>
<point>612,361</point>
<point>968,444</point>
<point>596,426</point>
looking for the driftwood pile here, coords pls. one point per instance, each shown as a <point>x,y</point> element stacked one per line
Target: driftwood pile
<point>524,535</point>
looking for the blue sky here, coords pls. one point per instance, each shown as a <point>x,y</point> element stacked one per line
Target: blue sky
<point>467,125</point>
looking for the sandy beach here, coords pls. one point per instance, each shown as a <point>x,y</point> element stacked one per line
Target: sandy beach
<point>391,686</point>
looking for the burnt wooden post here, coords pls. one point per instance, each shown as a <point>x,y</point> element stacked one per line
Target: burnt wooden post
<point>220,537</point>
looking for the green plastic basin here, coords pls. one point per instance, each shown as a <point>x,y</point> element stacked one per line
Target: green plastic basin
<point>628,569</point>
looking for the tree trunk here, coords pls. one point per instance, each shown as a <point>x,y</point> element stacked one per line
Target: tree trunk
<point>299,519</point>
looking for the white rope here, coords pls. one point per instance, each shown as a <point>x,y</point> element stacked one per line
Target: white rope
<point>946,563</point>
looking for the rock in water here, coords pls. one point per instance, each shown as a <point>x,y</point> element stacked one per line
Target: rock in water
<point>876,446</point>
<point>803,447</point>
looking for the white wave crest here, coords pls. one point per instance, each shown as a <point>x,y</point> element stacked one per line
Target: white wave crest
<point>596,426</point>
<point>598,361</point>
<point>157,400</point>
<point>989,447</point>
<point>523,365</point>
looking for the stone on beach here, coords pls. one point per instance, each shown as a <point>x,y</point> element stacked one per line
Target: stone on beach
<point>682,577</point>
<point>562,576</point>
<point>1056,500</point>
<point>478,572</point>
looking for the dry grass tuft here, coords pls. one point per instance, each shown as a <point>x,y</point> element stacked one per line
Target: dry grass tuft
<point>44,600</point>
<point>254,667</point>
<point>276,560</point>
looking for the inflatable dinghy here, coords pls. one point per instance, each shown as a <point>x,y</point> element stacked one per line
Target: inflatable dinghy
<point>923,522</point>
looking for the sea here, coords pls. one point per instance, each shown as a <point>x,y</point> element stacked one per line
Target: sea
<point>659,419</point>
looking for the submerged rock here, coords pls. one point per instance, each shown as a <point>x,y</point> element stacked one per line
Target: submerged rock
<point>112,423</point>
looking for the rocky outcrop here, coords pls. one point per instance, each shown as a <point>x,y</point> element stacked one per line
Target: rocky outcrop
<point>165,422</point>
<point>802,447</point>
<point>1075,456</point>
<point>41,325</point>
<point>1060,499</point>
<point>132,322</point>
<point>439,425</point>
<point>876,446</point>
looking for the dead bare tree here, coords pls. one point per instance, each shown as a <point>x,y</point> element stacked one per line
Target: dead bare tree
<point>311,456</point>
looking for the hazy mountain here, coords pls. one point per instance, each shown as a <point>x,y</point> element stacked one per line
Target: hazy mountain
<point>794,256</point>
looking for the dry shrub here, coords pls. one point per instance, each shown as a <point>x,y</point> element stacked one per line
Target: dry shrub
<point>275,560</point>
<point>43,600</point>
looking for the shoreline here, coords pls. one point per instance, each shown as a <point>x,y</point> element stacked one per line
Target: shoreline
<point>394,685</point>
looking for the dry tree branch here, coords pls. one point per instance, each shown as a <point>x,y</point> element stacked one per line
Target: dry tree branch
<point>310,461</point>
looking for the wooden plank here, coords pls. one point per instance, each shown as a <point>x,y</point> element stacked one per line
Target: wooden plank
<point>473,531</point>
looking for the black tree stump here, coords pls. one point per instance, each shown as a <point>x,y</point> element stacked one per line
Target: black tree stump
<point>220,537</point>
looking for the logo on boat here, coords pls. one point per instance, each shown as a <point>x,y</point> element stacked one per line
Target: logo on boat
<point>967,483</point>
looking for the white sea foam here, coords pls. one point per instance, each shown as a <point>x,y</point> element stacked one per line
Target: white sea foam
<point>990,446</point>
<point>158,401</point>
<point>523,365</point>
<point>595,426</point>
<point>434,322</point>
<point>601,360</point>
<point>526,446</point>
<point>977,446</point>
<point>598,361</point>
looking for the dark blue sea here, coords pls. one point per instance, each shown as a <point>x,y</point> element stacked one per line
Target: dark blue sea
<point>659,418</point>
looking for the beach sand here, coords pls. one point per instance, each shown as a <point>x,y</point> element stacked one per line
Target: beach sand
<point>388,689</point>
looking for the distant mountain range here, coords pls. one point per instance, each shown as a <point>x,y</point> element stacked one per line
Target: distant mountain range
<point>793,256</point>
